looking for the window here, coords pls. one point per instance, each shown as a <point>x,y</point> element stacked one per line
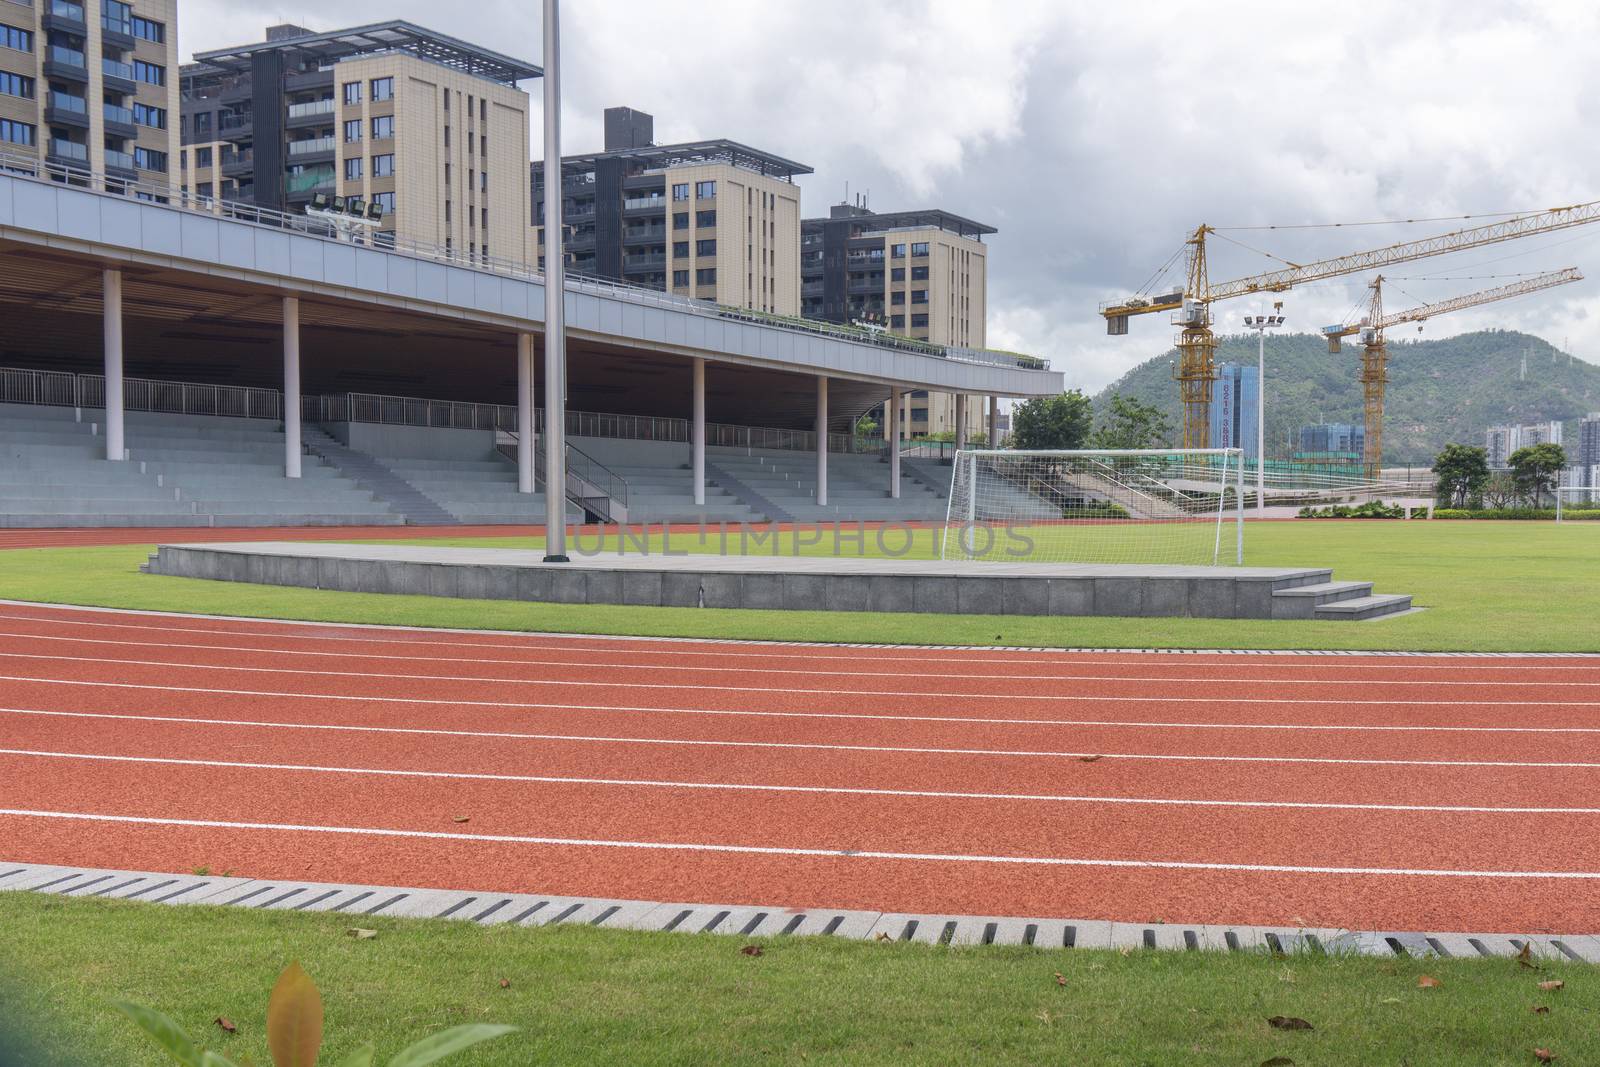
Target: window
<point>352,169</point>
<point>897,322</point>
<point>11,37</point>
<point>897,297</point>
<point>919,248</point>
<point>202,125</point>
<point>706,248</point>
<point>705,190</point>
<point>919,322</point>
<point>202,157</point>
<point>897,251</point>
<point>483,181</point>
<point>680,192</point>
<point>116,17</point>
<point>352,92</point>
<point>14,132</point>
<point>153,117</point>
<point>919,296</point>
<point>919,274</point>
<point>385,201</point>
<point>352,131</point>
<point>447,220</point>
<point>15,85</point>
<point>680,220</point>
<point>149,159</point>
<point>483,109</point>
<point>680,278</point>
<point>705,218</point>
<point>382,89</point>
<point>148,30</point>
<point>707,276</point>
<point>897,274</point>
<point>204,189</point>
<point>383,166</point>
<point>680,249</point>
<point>469,142</point>
<point>382,127</point>
<point>447,137</point>
<point>150,73</point>
<point>485,220</point>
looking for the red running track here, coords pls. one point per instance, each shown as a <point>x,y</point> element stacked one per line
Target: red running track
<point>1429,793</point>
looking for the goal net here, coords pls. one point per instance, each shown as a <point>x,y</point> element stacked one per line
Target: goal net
<point>1577,502</point>
<point>1178,506</point>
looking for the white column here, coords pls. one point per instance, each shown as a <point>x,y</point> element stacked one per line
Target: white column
<point>892,410</point>
<point>697,432</point>
<point>291,387</point>
<point>961,421</point>
<point>526,431</point>
<point>822,440</point>
<point>112,283</point>
<point>994,422</point>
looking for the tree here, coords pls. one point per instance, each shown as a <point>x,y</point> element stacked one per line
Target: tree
<point>1131,423</point>
<point>1501,490</point>
<point>1461,473</point>
<point>866,427</point>
<point>1052,421</point>
<point>1535,468</point>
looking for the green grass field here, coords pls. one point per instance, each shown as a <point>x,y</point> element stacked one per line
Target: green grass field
<point>1487,586</point>
<point>586,996</point>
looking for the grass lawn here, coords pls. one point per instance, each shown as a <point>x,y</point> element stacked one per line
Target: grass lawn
<point>585,996</point>
<point>1488,586</point>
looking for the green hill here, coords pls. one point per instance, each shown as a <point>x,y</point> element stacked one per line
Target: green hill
<point>1439,391</point>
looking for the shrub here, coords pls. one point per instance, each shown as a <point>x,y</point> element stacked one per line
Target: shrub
<point>1567,514</point>
<point>1372,509</point>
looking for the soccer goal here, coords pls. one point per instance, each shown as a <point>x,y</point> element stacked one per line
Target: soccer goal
<point>1178,506</point>
<point>1574,502</point>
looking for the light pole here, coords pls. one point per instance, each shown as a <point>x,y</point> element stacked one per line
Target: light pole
<point>1261,324</point>
<point>555,330</point>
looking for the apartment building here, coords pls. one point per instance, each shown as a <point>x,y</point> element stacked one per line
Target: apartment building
<point>1233,407</point>
<point>430,128</point>
<point>1501,441</point>
<point>923,274</point>
<point>712,220</point>
<point>92,84</point>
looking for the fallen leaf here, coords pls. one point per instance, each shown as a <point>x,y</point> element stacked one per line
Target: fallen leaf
<point>1288,1022</point>
<point>1525,957</point>
<point>1278,1061</point>
<point>1090,759</point>
<point>1544,1055</point>
<point>883,935</point>
<point>1552,985</point>
<point>1061,979</point>
<point>752,950</point>
<point>1389,1000</point>
<point>1427,981</point>
<point>459,818</point>
<point>1540,1009</point>
<point>360,934</point>
<point>225,1024</point>
<point>505,983</point>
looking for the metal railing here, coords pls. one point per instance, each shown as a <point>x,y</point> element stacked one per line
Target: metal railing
<point>117,158</point>
<point>66,9</point>
<point>117,69</point>
<point>117,113</point>
<point>31,167</point>
<point>67,57</point>
<point>315,144</point>
<point>311,107</point>
<point>64,389</point>
<point>69,150</point>
<point>67,102</point>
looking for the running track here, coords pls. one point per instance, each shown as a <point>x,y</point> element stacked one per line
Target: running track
<point>1366,792</point>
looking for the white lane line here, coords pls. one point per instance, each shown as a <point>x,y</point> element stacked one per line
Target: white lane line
<point>772,850</point>
<point>809,672</point>
<point>608,684</point>
<point>757,713</point>
<point>797,745</point>
<point>1227,658</point>
<point>651,783</point>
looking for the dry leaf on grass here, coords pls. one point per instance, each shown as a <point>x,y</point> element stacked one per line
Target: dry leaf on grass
<point>883,935</point>
<point>361,934</point>
<point>1061,979</point>
<point>225,1024</point>
<point>1552,985</point>
<point>1428,981</point>
<point>1525,957</point>
<point>505,983</point>
<point>1544,1055</point>
<point>1540,1009</point>
<point>752,950</point>
<point>1278,1061</point>
<point>1288,1022</point>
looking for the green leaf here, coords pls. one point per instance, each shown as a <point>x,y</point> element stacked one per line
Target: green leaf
<point>361,1057</point>
<point>294,1019</point>
<point>167,1033</point>
<point>448,1043</point>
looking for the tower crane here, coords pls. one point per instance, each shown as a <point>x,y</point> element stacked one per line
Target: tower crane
<point>1375,350</point>
<point>1197,345</point>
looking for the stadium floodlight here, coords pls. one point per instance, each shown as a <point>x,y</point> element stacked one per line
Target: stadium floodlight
<point>1261,324</point>
<point>1132,506</point>
<point>349,216</point>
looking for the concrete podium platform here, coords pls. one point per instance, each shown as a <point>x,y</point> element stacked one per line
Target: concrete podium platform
<point>795,583</point>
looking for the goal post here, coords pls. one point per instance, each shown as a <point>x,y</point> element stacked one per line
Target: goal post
<point>1130,506</point>
<point>1577,502</point>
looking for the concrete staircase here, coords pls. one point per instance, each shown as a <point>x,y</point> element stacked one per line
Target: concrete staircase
<point>1329,600</point>
<point>475,491</point>
<point>403,498</point>
<point>858,486</point>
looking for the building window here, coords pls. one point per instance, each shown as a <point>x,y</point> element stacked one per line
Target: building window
<point>680,278</point>
<point>485,221</point>
<point>16,85</point>
<point>919,296</point>
<point>383,166</point>
<point>14,132</point>
<point>352,131</point>
<point>897,251</point>
<point>116,17</point>
<point>680,249</point>
<point>149,73</point>
<point>706,248</point>
<point>919,248</point>
<point>352,92</point>
<point>385,202</point>
<point>919,322</point>
<point>897,322</point>
<point>150,159</point>
<point>707,276</point>
<point>705,190</point>
<point>204,189</point>
<point>680,192</point>
<point>149,30</point>
<point>382,89</point>
<point>680,220</point>
<point>483,181</point>
<point>382,127</point>
<point>202,125</point>
<point>352,169</point>
<point>153,117</point>
<point>705,218</point>
<point>897,297</point>
<point>11,37</point>
<point>202,158</point>
<point>919,274</point>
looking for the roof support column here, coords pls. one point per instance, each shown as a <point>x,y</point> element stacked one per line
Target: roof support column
<point>994,422</point>
<point>111,281</point>
<point>822,440</point>
<point>961,421</point>
<point>292,445</point>
<point>697,432</point>
<point>527,431</point>
<point>892,411</point>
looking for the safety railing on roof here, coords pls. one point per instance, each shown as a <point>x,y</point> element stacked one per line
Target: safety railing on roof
<point>173,196</point>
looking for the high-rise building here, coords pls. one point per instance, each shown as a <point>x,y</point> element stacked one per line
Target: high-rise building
<point>712,220</point>
<point>1501,441</point>
<point>96,90</point>
<point>923,274</point>
<point>1585,456</point>
<point>1233,408</point>
<point>1330,438</point>
<point>430,128</point>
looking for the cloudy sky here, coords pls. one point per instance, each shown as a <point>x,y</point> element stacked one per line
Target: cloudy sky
<point>1095,136</point>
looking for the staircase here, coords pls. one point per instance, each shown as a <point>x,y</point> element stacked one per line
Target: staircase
<point>1336,601</point>
<point>417,507</point>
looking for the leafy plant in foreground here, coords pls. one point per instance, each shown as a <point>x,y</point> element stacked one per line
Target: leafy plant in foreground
<point>294,1032</point>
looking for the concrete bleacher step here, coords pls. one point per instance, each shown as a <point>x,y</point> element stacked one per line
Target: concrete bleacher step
<point>1365,607</point>
<point>1302,602</point>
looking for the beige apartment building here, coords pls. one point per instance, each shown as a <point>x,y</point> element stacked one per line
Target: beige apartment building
<point>712,220</point>
<point>92,85</point>
<point>922,274</point>
<point>432,130</point>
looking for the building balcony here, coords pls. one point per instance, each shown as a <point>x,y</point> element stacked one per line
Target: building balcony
<point>119,120</point>
<point>645,203</point>
<point>315,146</point>
<point>644,235</point>
<point>310,111</point>
<point>235,127</point>
<point>235,164</point>
<point>68,151</point>
<point>645,262</point>
<point>67,64</point>
<point>303,80</point>
<point>64,16</point>
<point>118,76</point>
<point>120,161</point>
<point>860,260</point>
<point>64,109</point>
<point>116,32</point>
<point>811,289</point>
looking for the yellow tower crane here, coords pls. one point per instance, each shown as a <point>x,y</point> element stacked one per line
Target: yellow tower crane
<point>1197,345</point>
<point>1375,350</point>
